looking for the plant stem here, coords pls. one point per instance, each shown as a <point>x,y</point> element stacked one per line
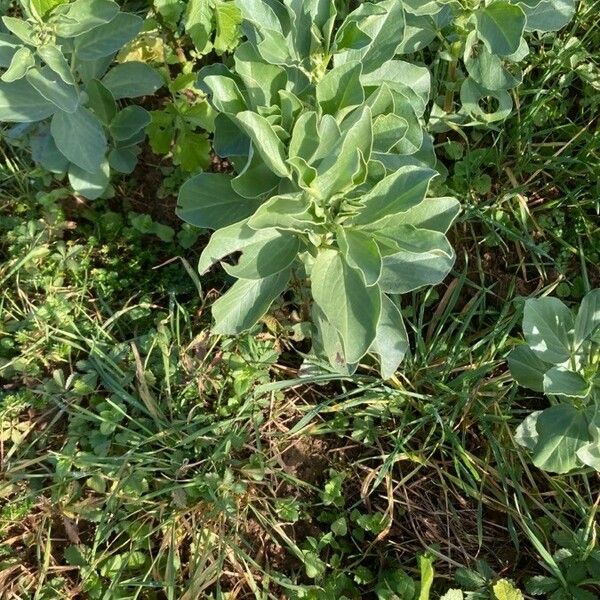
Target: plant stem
<point>449,99</point>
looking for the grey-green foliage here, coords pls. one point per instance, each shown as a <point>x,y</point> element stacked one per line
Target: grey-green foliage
<point>332,168</point>
<point>487,39</point>
<point>56,78</point>
<point>562,360</point>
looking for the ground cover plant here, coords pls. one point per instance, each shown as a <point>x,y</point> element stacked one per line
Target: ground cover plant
<point>388,386</point>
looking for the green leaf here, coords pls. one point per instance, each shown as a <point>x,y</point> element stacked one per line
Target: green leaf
<point>269,258</point>
<point>82,16</point>
<point>562,431</point>
<point>228,19</point>
<point>313,565</point>
<point>22,29</point>
<point>504,590</point>
<point>413,258</point>
<point>337,172</point>
<point>265,141</point>
<point>419,32</point>
<point>198,21</point>
<point>427,575</point>
<point>274,48</point>
<point>8,46</point>
<point>132,80</point>
<point>395,584</point>
<point>305,136</point>
<point>351,307</point>
<point>588,317</point>
<point>329,135</point>
<point>589,454</point>
<point>547,326</point>
<point>123,160</point>
<point>327,342</point>
<point>80,137</point>
<point>340,89</point>
<point>412,81</point>
<point>170,11</point>
<point>526,368</point>
<point>396,193</point>
<point>233,238</point>
<point>74,557</point>
<point>108,39</point>
<point>56,60</point>
<point>91,69</point>
<point>101,101</point>
<point>191,150</point>
<point>486,68</point>
<point>129,121</point>
<point>209,201</point>
<point>256,179</point>
<point>22,61</point>
<point>45,6</point>
<point>48,83</point>
<point>225,94</point>
<point>391,339</point>
<point>339,526</point>
<point>526,434</point>
<point>90,185</point>
<point>45,153</point>
<point>453,594</point>
<point>559,381</point>
<point>289,212</point>
<point>262,81</point>
<point>547,15</point>
<point>384,24</point>
<point>291,108</point>
<point>436,214</point>
<point>540,585</point>
<point>261,13</point>
<point>500,26</point>
<point>473,96</point>
<point>388,131</point>
<point>247,302</point>
<point>361,252</point>
<point>423,7</point>
<point>161,131</point>
<point>21,103</point>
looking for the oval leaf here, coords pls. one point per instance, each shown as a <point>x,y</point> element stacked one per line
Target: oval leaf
<point>208,200</point>
<point>50,85</point>
<point>349,305</point>
<point>132,80</point>
<point>246,302</point>
<point>80,137</point>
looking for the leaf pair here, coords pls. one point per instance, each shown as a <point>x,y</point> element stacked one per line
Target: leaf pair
<point>560,359</point>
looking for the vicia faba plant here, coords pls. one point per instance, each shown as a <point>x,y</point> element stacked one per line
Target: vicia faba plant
<point>483,43</point>
<point>57,81</point>
<point>562,360</point>
<point>325,129</point>
<point>332,167</point>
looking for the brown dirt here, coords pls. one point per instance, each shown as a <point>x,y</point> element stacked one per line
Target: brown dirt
<point>306,458</point>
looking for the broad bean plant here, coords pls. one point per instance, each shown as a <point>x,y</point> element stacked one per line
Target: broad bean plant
<point>57,82</point>
<point>326,128</point>
<point>483,45</point>
<point>561,359</point>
